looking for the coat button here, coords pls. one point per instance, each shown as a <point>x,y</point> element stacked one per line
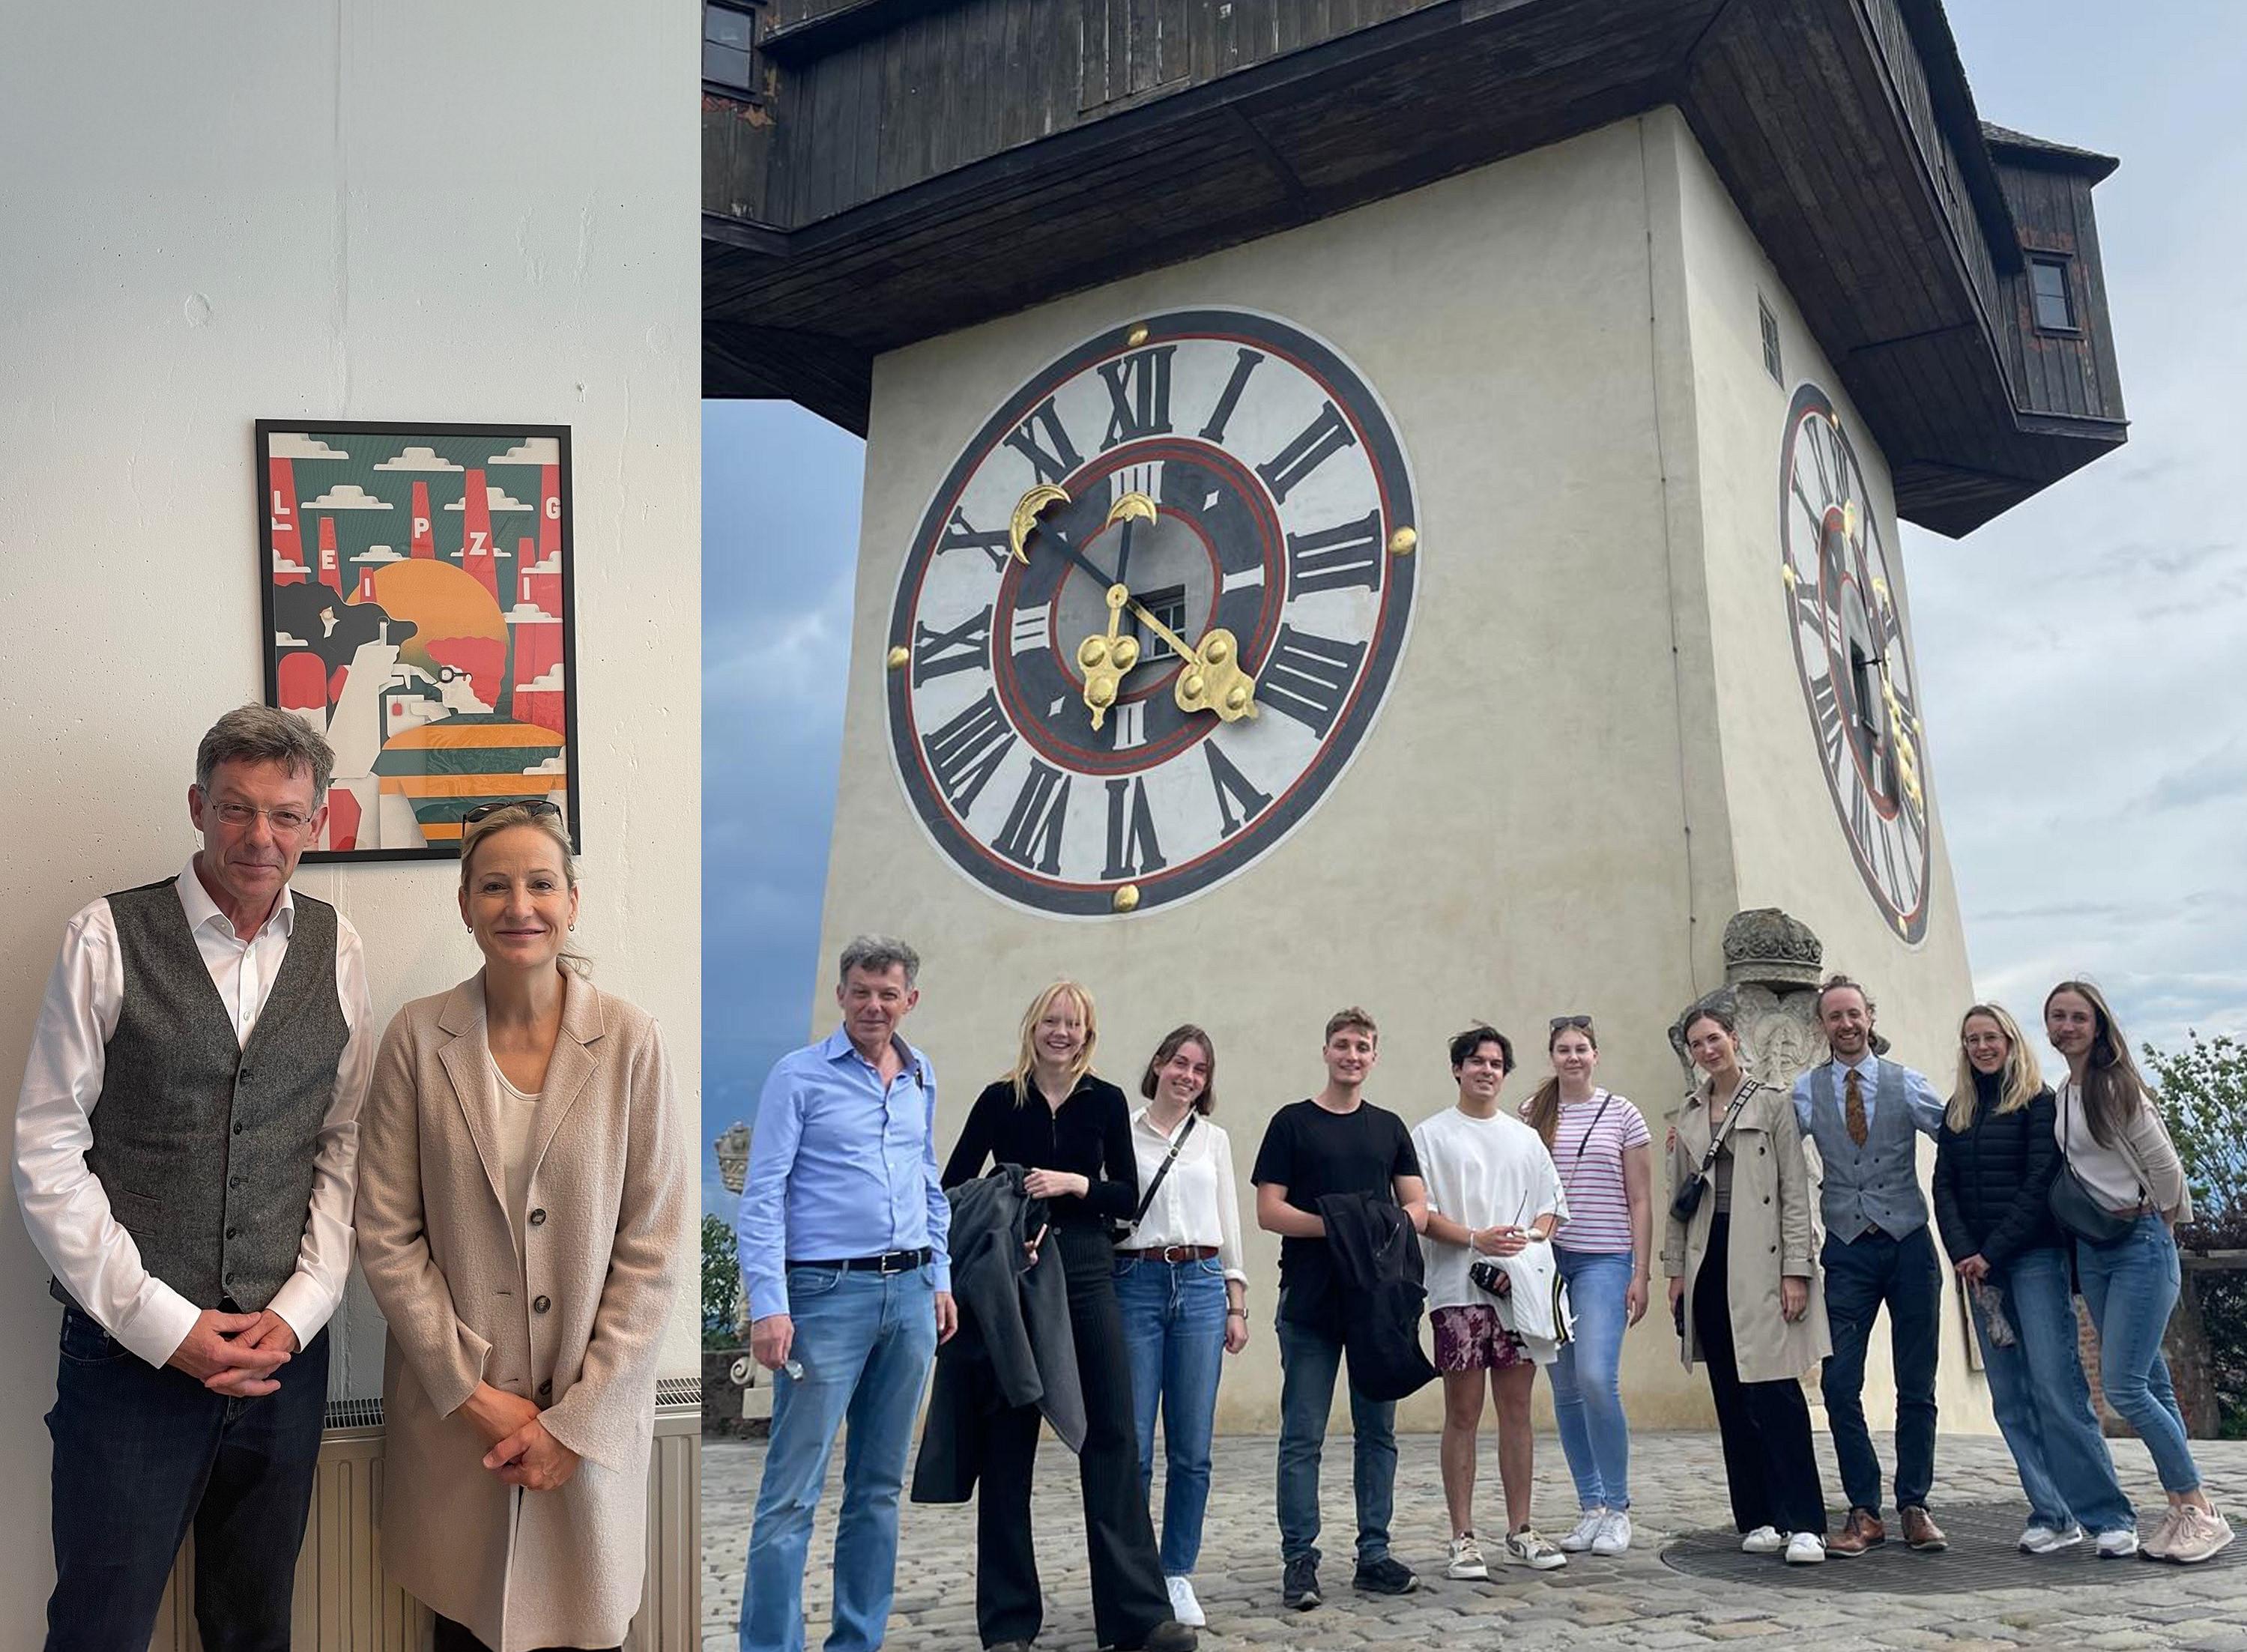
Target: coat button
<point>1774,1249</point>
<point>237,1127</point>
<point>546,1389</point>
<point>540,1304</point>
<point>231,1231</point>
<point>244,1075</point>
<point>538,1218</point>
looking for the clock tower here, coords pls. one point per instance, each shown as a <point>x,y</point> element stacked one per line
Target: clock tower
<point>1403,514</point>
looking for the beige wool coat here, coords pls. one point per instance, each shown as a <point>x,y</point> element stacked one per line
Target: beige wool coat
<point>573,1317</point>
<point>1774,1232</point>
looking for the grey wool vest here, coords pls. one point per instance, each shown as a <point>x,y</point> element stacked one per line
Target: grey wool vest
<point>204,1146</point>
<point>1877,1185</point>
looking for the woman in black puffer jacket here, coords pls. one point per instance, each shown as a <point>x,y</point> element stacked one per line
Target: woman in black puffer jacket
<point>1994,1166</point>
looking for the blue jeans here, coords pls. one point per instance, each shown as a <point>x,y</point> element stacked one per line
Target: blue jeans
<point>2131,1287</point>
<point>141,1455</point>
<point>864,1341</point>
<point>1308,1364</point>
<point>1586,1384</point>
<point>2043,1404</point>
<point>1174,1331</point>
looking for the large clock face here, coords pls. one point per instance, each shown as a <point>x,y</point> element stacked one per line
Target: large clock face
<point>1150,613</point>
<point>1855,668</point>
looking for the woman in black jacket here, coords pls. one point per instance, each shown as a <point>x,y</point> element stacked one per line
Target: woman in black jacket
<point>1994,1166</point>
<point>1071,1131</point>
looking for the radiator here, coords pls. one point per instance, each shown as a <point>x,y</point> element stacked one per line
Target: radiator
<point>345,1604</point>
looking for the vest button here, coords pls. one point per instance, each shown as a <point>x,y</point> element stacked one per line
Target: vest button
<point>538,1218</point>
<point>231,1231</point>
<point>234,1181</point>
<point>245,1076</point>
<point>546,1389</point>
<point>237,1127</point>
<point>539,1305</point>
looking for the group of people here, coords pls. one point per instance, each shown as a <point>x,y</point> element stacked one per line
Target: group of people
<point>207,1122</point>
<point>1076,1262</point>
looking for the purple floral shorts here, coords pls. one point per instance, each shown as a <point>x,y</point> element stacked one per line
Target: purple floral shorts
<point>1473,1339</point>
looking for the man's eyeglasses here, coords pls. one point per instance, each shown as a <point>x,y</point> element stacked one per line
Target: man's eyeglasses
<point>287,822</point>
<point>529,805</point>
<point>1560,1021</point>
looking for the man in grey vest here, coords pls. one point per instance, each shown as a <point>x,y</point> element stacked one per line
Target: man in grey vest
<point>185,1146</point>
<point>1864,1115</point>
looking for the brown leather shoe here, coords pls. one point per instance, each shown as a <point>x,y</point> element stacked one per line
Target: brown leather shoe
<point>1921,1532</point>
<point>1862,1531</point>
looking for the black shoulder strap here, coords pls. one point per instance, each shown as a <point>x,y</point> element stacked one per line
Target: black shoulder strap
<point>1177,1142</point>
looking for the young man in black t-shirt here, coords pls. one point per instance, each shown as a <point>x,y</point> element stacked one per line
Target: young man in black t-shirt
<point>1338,1142</point>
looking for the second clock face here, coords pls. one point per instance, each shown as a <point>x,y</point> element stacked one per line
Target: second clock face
<point>1083,749</point>
<point>1855,666</point>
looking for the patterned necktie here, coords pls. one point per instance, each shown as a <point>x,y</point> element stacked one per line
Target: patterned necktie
<point>1856,1110</point>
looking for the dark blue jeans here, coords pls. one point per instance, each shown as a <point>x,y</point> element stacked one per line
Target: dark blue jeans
<point>1862,1276</point>
<point>142,1455</point>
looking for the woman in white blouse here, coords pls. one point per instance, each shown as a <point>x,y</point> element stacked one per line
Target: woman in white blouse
<point>1184,1293</point>
<point>2116,1146</point>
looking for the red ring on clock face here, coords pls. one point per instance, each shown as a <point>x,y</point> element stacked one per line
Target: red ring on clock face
<point>1279,481</point>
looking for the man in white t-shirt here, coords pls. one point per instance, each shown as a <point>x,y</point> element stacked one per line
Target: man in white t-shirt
<point>1492,1192</point>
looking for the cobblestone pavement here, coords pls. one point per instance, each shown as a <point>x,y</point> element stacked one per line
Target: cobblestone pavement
<point>1634,1601</point>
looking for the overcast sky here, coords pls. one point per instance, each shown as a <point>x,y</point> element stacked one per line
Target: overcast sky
<point>2086,734</point>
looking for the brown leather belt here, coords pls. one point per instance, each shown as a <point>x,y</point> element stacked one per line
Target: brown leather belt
<point>1172,1254</point>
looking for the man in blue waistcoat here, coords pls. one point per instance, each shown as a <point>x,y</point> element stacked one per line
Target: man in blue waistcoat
<point>1865,1113</point>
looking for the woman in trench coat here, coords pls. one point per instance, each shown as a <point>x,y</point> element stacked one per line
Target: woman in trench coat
<point>523,1212</point>
<point>1744,1289</point>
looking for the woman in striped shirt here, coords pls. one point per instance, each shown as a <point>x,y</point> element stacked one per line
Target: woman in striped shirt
<point>1600,1143</point>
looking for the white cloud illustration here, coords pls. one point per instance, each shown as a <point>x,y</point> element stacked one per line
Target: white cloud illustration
<point>554,765</point>
<point>378,554</point>
<point>549,565</point>
<point>417,459</point>
<point>295,444</point>
<point>286,565</point>
<point>495,498</point>
<point>282,639</point>
<point>538,450</point>
<point>529,614</point>
<point>349,496</point>
<point>547,682</point>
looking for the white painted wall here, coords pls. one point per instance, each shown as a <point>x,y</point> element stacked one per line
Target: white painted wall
<point>346,209</point>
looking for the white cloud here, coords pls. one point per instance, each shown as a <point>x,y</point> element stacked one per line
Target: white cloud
<point>546,564</point>
<point>538,450</point>
<point>282,639</point>
<point>526,614</point>
<point>349,496</point>
<point>555,765</point>
<point>295,444</point>
<point>417,459</point>
<point>378,554</point>
<point>497,498</point>
<point>285,565</point>
<point>547,682</point>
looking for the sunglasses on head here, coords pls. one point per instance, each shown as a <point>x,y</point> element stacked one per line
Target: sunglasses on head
<point>1560,1021</point>
<point>532,805</point>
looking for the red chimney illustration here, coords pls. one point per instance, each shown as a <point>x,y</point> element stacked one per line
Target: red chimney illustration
<point>331,573</point>
<point>476,546</point>
<point>288,543</point>
<point>425,544</point>
<point>365,591</point>
<point>550,512</point>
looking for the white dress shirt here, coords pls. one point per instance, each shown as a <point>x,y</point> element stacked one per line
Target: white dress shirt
<point>65,1206</point>
<point>1195,1205</point>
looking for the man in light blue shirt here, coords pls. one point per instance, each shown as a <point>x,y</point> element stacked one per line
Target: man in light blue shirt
<point>1866,1115</point>
<point>841,1235</point>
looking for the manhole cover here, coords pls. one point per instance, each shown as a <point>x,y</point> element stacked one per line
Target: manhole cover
<point>1982,1555</point>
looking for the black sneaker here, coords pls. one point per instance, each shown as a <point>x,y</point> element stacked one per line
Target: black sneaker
<point>1299,1588</point>
<point>1386,1575</point>
<point>1169,1637</point>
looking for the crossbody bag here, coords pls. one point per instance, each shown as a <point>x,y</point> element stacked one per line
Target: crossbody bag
<point>2076,1208</point>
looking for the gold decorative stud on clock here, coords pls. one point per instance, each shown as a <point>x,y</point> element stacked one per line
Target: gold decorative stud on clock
<point>1152,612</point>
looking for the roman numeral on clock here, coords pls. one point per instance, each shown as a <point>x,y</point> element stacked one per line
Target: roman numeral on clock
<point>1825,705</point>
<point>1054,457</point>
<point>1233,790</point>
<point>964,753</point>
<point>1321,438</point>
<point>960,535</point>
<point>1138,395</point>
<point>1335,557</point>
<point>938,653</point>
<point>1030,628</point>
<point>1308,677</point>
<point>1031,837</point>
<point>1133,849</point>
<point>1243,364</point>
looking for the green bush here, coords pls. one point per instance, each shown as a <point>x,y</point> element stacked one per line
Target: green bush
<point>721,1285</point>
<point>2204,1090</point>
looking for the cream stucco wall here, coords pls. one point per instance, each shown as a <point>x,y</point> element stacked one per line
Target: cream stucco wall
<point>344,209</point>
<point>1566,796</point>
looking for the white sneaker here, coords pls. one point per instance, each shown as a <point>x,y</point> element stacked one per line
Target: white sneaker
<point>1805,1548</point>
<point>1764,1539</point>
<point>2050,1539</point>
<point>1586,1529</point>
<point>2119,1544</point>
<point>1614,1534</point>
<point>1464,1560</point>
<point>2198,1534</point>
<point>1525,1548</point>
<point>1184,1606</point>
<point>2156,1547</point>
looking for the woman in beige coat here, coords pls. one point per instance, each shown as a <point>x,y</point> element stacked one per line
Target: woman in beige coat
<point>1741,1254</point>
<point>523,1212</point>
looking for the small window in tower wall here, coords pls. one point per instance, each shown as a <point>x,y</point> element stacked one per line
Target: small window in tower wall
<point>1771,362</point>
<point>2048,287</point>
<point>727,35</point>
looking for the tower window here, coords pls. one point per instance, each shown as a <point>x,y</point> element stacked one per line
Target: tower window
<point>2048,288</point>
<point>728,37</point>
<point>1770,324</point>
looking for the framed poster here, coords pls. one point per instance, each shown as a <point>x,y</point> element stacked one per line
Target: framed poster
<point>417,603</point>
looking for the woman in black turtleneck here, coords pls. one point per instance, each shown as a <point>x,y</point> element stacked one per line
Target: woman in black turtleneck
<point>1994,1165</point>
<point>1071,1129</point>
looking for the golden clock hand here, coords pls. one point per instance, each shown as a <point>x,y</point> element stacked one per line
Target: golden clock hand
<point>1024,520</point>
<point>1105,658</point>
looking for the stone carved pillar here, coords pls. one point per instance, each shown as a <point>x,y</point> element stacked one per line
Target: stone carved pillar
<point>1772,971</point>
